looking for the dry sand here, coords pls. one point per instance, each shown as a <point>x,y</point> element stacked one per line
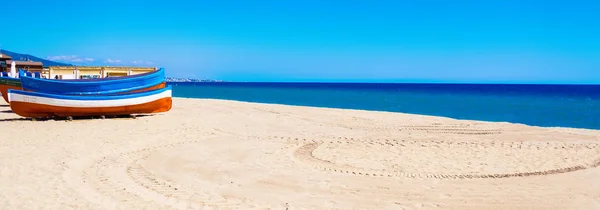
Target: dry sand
<point>213,154</point>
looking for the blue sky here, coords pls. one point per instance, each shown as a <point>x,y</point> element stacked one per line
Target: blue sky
<point>341,41</point>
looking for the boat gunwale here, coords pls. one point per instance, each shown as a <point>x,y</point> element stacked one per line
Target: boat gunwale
<point>105,92</point>
<point>89,97</point>
<point>99,80</point>
<point>11,79</point>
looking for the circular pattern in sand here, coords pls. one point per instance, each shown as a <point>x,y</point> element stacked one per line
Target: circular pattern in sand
<point>252,173</point>
<point>220,173</point>
<point>447,159</point>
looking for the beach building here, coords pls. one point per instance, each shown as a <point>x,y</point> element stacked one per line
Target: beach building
<point>89,72</point>
<point>71,72</point>
<point>4,66</point>
<point>31,66</point>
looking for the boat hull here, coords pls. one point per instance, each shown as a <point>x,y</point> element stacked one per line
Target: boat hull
<point>5,87</point>
<point>94,86</point>
<point>7,83</point>
<point>41,105</point>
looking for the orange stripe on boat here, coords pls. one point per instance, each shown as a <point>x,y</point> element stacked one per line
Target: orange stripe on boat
<point>35,110</point>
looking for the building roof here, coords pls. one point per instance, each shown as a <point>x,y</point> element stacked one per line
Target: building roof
<point>25,63</point>
<point>4,57</point>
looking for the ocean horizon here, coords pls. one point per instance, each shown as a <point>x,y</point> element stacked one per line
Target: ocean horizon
<point>545,105</point>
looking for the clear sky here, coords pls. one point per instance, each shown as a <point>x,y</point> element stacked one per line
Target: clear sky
<point>506,41</point>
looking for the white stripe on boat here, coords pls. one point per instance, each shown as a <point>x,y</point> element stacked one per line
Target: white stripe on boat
<point>88,103</point>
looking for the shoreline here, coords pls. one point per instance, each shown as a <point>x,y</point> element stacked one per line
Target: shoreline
<point>391,112</point>
<point>226,154</point>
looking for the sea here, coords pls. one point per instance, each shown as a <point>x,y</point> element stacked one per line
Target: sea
<point>576,106</point>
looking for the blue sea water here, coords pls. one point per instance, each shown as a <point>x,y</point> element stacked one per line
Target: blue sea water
<point>575,106</point>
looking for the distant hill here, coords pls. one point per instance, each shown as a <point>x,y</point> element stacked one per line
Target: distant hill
<point>23,57</point>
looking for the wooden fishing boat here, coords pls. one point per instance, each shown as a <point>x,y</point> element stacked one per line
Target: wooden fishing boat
<point>98,86</point>
<point>7,83</point>
<point>15,84</point>
<point>43,105</point>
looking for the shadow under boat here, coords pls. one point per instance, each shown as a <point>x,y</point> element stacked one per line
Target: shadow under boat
<point>81,118</point>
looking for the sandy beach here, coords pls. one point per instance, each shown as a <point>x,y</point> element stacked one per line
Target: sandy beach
<point>216,154</point>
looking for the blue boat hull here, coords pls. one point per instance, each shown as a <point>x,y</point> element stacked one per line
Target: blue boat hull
<point>94,86</point>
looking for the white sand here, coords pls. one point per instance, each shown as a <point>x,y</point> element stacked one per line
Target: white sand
<point>234,155</point>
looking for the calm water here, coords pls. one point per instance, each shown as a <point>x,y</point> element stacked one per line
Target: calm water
<point>541,105</point>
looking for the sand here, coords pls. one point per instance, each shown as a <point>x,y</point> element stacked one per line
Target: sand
<point>215,154</point>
